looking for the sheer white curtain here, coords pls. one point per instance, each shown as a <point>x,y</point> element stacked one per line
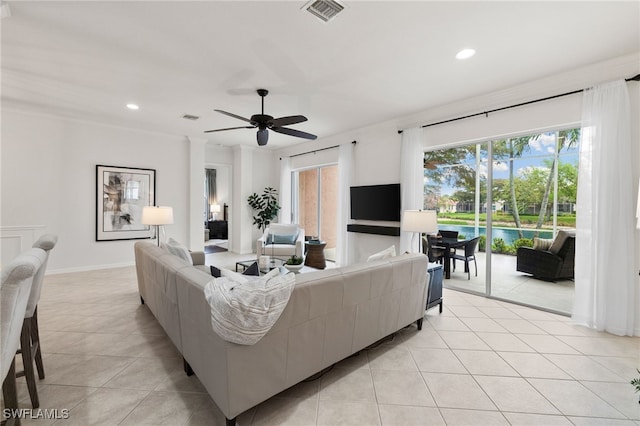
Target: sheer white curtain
<point>411,181</point>
<point>285,190</point>
<point>604,266</point>
<point>345,173</point>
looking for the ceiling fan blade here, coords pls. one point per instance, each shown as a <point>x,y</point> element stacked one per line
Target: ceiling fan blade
<point>229,128</point>
<point>293,132</point>
<point>287,121</point>
<point>233,115</point>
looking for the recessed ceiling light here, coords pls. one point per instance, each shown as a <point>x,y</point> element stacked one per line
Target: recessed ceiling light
<point>465,54</point>
<point>133,106</point>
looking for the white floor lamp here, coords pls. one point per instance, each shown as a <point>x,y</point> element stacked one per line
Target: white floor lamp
<point>157,216</point>
<point>420,221</point>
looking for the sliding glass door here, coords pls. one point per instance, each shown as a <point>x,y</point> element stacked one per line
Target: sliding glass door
<point>315,204</point>
<point>536,186</point>
<point>533,185</point>
<point>456,187</point>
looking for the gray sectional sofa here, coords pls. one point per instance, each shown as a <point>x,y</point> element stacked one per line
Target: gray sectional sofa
<point>331,315</point>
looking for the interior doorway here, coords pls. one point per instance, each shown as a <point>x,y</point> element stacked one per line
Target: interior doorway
<point>216,208</point>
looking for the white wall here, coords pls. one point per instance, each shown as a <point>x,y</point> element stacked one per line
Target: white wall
<point>48,178</point>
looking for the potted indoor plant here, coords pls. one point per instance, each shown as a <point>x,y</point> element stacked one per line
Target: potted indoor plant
<point>266,207</point>
<point>294,263</point>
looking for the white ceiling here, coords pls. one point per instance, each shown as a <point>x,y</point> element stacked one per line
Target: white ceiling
<point>376,61</point>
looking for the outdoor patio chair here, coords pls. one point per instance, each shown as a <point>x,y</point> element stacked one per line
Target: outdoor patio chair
<point>450,234</point>
<point>469,254</point>
<point>435,254</point>
<point>550,265</point>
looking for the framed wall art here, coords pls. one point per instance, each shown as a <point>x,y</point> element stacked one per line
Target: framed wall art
<point>121,194</point>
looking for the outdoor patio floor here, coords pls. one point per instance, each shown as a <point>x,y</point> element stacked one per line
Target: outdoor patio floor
<point>509,284</point>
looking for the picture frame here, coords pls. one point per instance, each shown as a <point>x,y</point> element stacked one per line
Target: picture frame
<point>121,194</point>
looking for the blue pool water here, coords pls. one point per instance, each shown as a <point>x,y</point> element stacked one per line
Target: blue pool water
<point>509,235</point>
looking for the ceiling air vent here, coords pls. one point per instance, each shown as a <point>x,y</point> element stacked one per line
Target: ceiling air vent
<point>326,10</point>
<point>190,117</point>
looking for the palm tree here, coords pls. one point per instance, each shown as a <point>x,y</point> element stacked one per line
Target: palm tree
<point>513,148</point>
<point>566,139</point>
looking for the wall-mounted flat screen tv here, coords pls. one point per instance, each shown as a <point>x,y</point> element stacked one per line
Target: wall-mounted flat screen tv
<point>376,202</point>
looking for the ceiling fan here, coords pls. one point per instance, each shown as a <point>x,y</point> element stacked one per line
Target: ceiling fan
<point>265,122</point>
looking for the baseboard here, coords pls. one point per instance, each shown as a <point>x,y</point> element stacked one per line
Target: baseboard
<point>89,268</point>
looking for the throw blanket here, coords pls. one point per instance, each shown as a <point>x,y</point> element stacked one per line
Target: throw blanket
<point>243,312</point>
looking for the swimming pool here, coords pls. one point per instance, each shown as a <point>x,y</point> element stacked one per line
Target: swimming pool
<point>509,235</point>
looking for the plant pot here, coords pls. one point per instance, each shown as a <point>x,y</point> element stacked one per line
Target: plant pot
<point>294,268</point>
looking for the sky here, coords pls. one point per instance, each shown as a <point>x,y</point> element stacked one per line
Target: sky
<point>540,149</point>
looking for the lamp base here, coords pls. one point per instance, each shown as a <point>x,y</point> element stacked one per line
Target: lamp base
<point>160,235</point>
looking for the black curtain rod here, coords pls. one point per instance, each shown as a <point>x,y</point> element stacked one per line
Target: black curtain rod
<point>486,113</point>
<point>317,150</point>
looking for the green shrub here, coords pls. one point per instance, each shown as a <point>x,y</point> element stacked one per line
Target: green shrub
<point>522,242</point>
<point>482,243</point>
<point>500,247</point>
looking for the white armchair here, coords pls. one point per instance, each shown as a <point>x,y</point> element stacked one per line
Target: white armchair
<point>281,240</point>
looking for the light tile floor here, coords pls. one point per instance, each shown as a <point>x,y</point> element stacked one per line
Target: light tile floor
<point>480,362</point>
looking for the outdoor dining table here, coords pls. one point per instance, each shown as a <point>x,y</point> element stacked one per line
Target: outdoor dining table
<point>447,244</point>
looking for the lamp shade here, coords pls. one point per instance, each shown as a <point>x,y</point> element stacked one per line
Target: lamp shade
<point>157,215</point>
<point>419,221</point>
<point>215,208</point>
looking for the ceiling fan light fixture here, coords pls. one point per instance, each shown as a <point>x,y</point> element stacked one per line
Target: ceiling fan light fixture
<point>262,136</point>
<point>264,122</point>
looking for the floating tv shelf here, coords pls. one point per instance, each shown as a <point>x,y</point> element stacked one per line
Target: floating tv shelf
<point>393,231</point>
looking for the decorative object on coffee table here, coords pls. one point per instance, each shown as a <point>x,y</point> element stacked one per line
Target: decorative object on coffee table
<point>268,263</point>
<point>315,254</point>
<point>294,264</point>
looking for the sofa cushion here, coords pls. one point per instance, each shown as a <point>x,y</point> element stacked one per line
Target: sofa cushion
<point>384,254</point>
<point>559,241</point>
<point>542,243</point>
<point>243,313</point>
<point>281,239</point>
<point>179,250</point>
<point>283,229</point>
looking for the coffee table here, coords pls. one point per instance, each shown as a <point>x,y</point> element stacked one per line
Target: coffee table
<point>272,263</point>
